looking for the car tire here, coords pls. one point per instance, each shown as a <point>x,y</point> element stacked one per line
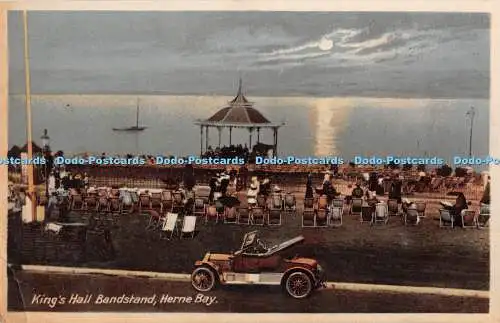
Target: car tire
<point>298,285</point>
<point>203,279</point>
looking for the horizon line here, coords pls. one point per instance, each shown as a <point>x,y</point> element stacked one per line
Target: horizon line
<point>256,96</point>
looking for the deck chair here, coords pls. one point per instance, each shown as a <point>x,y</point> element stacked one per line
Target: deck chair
<point>276,202</point>
<point>257,216</point>
<point>444,218</point>
<point>356,206</point>
<point>115,205</point>
<point>484,216</point>
<point>202,192</point>
<point>155,220</point>
<point>335,218</point>
<point>469,219</point>
<point>90,203</point>
<point>290,203</point>
<point>411,216</point>
<point>367,214</point>
<point>167,200</point>
<point>177,202</point>
<point>188,225</point>
<point>338,203</point>
<point>261,201</point>
<point>199,207</point>
<point>393,207</point>
<point>230,215</point>
<point>169,225</point>
<point>381,213</point>
<point>211,213</point>
<point>103,204</point>
<point>156,202</point>
<point>421,209</point>
<point>243,215</point>
<point>144,203</point>
<point>308,215</point>
<point>77,203</point>
<point>274,217</point>
<point>322,217</point>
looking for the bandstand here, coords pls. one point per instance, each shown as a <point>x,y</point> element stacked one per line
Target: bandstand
<point>239,113</point>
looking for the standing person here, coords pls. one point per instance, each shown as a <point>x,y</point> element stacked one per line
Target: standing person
<point>188,178</point>
<point>224,183</point>
<point>309,187</point>
<point>213,188</point>
<point>243,176</point>
<point>395,191</point>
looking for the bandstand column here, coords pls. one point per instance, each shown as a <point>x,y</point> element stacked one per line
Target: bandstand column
<point>275,130</point>
<point>230,135</point>
<point>206,138</point>
<point>250,130</point>
<point>219,129</point>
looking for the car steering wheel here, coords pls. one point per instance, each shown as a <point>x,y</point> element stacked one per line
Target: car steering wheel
<point>262,244</point>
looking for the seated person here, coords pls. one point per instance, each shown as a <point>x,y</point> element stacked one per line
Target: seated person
<point>252,195</point>
<point>357,192</point>
<point>456,209</point>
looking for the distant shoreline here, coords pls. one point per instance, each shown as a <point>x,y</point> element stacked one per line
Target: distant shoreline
<point>250,96</point>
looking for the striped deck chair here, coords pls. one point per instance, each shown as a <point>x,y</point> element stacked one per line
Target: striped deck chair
<point>199,207</point>
<point>411,216</point>
<point>445,218</point>
<point>76,202</point>
<point>484,216</point>
<point>243,215</point>
<point>469,219</point>
<point>290,203</point>
<point>367,214</point>
<point>308,215</point>
<point>421,208</point>
<point>188,226</point>
<point>177,202</point>
<point>356,205</point>
<point>230,215</point>
<point>322,211</point>
<point>258,216</point>
<point>393,207</point>
<point>144,203</point>
<point>90,203</point>
<point>335,217</point>
<point>167,200</point>
<point>156,201</point>
<point>155,220</point>
<point>211,213</point>
<point>381,213</point>
<point>103,204</point>
<point>169,226</point>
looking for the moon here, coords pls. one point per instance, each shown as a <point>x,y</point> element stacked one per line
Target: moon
<point>325,44</point>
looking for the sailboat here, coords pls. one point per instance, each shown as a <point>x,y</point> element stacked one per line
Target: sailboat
<point>133,128</point>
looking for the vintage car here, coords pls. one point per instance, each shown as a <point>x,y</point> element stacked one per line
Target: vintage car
<point>257,263</point>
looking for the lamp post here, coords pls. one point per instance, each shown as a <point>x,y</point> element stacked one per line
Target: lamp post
<point>46,152</point>
<point>471,114</point>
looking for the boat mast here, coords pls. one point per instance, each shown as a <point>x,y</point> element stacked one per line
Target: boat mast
<point>137,115</point>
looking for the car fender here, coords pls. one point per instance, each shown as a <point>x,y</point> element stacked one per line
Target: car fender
<point>210,265</point>
<point>294,269</point>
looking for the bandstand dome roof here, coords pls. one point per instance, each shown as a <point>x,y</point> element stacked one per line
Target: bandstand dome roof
<point>239,113</point>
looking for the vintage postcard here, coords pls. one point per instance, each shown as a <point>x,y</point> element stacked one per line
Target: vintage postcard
<point>244,161</point>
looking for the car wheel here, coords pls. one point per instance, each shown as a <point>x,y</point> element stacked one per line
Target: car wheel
<point>298,285</point>
<point>203,279</point>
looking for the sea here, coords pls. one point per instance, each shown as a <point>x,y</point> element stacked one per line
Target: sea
<point>340,126</point>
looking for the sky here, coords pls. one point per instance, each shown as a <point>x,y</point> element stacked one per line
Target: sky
<point>316,54</point>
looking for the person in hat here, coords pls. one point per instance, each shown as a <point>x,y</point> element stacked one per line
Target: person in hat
<point>252,195</point>
<point>224,183</point>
